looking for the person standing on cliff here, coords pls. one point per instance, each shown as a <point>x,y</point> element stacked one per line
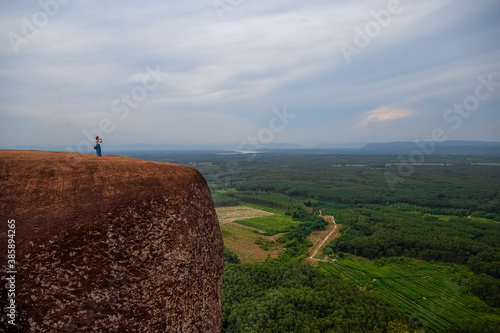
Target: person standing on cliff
<point>97,147</point>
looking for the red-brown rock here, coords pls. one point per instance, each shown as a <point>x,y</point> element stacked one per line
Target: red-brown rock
<point>109,244</point>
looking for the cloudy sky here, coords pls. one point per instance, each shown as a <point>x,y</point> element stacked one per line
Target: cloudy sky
<point>221,71</point>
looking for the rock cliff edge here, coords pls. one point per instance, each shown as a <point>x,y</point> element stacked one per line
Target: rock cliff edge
<point>109,244</point>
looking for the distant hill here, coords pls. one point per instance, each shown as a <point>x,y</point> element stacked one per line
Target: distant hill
<point>350,145</point>
<point>443,148</point>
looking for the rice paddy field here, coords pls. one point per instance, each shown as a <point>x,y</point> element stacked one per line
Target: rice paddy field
<point>429,292</point>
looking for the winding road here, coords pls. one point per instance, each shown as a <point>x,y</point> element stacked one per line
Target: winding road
<point>320,238</point>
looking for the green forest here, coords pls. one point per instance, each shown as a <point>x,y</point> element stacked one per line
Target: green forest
<point>283,297</point>
<point>375,232</point>
<point>418,251</point>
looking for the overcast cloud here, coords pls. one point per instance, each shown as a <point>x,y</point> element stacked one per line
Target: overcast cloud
<point>205,71</point>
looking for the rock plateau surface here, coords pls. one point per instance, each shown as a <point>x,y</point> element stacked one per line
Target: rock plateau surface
<point>108,244</point>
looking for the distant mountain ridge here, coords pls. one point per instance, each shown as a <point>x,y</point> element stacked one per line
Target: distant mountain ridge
<point>458,147</point>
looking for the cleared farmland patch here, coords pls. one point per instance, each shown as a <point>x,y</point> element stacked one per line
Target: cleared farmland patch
<point>257,240</point>
<point>242,240</point>
<point>235,213</point>
<point>271,224</point>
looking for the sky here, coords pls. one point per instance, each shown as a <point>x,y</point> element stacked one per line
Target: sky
<point>236,71</point>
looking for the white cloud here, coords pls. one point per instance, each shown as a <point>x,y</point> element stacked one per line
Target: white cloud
<point>382,114</point>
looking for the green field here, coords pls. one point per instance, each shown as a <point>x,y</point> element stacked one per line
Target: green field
<point>273,224</point>
<point>426,291</point>
<point>245,242</point>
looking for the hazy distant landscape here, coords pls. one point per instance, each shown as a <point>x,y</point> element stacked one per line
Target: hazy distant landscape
<point>391,148</point>
<point>421,246</point>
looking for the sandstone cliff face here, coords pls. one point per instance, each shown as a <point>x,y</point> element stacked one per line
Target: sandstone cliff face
<point>109,244</point>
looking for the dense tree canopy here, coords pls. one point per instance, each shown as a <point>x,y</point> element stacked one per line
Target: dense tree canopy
<point>376,232</point>
<point>292,297</point>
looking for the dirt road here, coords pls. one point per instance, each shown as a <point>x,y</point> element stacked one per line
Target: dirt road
<point>321,238</point>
